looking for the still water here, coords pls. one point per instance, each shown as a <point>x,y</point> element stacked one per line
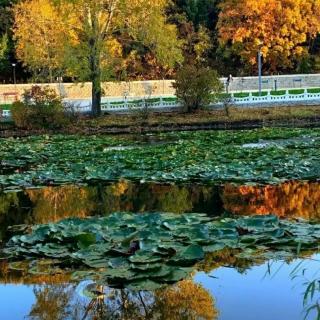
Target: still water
<point>223,288</point>
<point>273,290</point>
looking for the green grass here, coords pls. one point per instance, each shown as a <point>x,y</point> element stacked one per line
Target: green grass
<point>314,90</point>
<point>278,93</point>
<point>296,91</point>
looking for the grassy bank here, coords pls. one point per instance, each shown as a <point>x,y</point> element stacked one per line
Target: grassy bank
<point>238,118</point>
<point>206,116</point>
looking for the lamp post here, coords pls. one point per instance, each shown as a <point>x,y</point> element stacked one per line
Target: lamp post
<point>14,73</point>
<point>260,70</point>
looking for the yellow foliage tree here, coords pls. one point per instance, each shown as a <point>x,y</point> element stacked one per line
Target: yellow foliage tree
<point>90,32</point>
<point>40,36</point>
<point>280,28</point>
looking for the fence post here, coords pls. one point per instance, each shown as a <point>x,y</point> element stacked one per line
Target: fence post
<point>269,96</point>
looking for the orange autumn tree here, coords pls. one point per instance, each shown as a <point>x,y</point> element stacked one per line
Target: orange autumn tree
<point>281,28</point>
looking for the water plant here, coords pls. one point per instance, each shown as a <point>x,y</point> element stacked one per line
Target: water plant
<point>147,251</point>
<point>259,156</point>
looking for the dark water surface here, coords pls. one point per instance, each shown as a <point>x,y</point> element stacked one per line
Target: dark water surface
<point>224,288</point>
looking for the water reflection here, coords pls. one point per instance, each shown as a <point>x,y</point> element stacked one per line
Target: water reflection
<point>272,290</point>
<point>268,290</point>
<point>290,199</point>
<point>186,300</point>
<point>51,204</point>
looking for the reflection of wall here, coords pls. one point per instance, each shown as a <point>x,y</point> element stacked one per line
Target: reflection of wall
<point>290,199</point>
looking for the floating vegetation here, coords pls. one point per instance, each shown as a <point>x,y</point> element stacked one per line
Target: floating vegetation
<point>147,251</point>
<point>208,156</point>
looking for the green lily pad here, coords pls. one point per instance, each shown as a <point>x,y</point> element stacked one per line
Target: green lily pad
<point>162,256</point>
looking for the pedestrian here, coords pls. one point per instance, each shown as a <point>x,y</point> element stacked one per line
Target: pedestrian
<point>229,80</point>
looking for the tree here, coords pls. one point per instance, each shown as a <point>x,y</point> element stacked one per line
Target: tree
<point>41,47</point>
<point>6,43</point>
<point>4,48</point>
<point>280,28</point>
<point>196,87</point>
<point>90,48</point>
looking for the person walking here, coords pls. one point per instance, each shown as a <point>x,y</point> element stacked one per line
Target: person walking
<point>229,80</point>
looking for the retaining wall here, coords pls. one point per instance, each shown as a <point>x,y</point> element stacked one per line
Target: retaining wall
<point>163,87</point>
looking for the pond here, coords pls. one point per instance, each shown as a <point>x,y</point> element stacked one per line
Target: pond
<point>216,182</point>
<point>272,290</point>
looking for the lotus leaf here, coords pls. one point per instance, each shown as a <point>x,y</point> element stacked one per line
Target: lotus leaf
<point>132,257</point>
<point>211,156</point>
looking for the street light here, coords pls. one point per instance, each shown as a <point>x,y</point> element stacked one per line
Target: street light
<point>14,73</point>
<point>260,70</point>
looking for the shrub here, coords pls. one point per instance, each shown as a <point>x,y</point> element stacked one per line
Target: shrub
<point>40,108</point>
<point>196,87</point>
<point>241,95</point>
<point>278,93</point>
<point>20,114</point>
<point>314,90</point>
<point>296,91</point>
<point>257,94</point>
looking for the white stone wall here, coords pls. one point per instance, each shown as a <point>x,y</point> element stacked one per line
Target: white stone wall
<point>269,82</point>
<point>163,87</point>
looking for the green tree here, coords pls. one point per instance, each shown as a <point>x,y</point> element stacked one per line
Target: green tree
<point>6,47</point>
<point>196,87</point>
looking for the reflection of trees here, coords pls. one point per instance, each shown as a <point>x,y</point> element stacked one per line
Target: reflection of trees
<point>226,257</point>
<point>52,303</point>
<point>14,209</point>
<point>290,199</point>
<point>184,301</point>
<point>8,200</point>
<point>52,204</point>
<point>55,203</point>
<point>294,199</point>
<point>128,196</point>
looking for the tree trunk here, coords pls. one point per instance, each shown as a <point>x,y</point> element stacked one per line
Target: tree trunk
<point>95,67</point>
<point>96,94</point>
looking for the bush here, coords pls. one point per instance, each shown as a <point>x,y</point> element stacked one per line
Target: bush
<point>278,93</point>
<point>257,94</point>
<point>241,95</point>
<point>41,108</point>
<point>314,90</point>
<point>196,87</point>
<point>296,91</point>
